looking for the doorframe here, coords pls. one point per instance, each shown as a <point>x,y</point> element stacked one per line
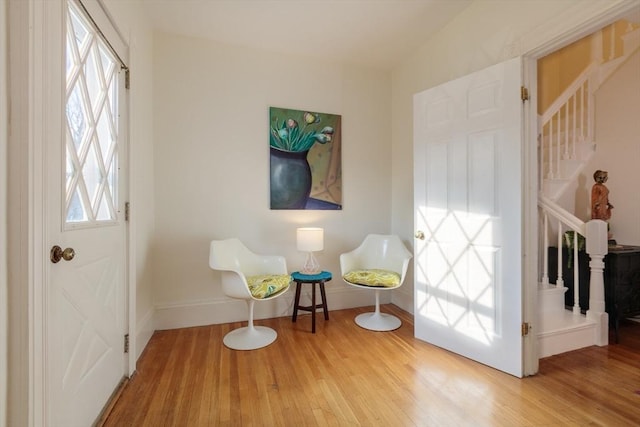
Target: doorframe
<point>4,125</point>
<point>28,25</point>
<point>530,220</point>
<point>583,20</point>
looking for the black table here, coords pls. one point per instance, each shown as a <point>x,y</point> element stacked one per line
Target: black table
<point>313,279</point>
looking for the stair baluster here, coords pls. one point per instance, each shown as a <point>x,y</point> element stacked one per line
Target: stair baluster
<point>560,279</point>
<point>566,131</point>
<point>550,160</point>
<point>576,277</point>
<point>545,252</point>
<point>574,133</point>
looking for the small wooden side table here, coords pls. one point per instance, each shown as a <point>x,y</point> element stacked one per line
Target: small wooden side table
<point>313,279</point>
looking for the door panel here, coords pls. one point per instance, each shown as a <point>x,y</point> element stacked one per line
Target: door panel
<point>90,325</point>
<point>87,190</point>
<point>467,150</point>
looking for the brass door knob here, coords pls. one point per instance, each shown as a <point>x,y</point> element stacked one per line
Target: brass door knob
<point>57,253</point>
<point>419,235</point>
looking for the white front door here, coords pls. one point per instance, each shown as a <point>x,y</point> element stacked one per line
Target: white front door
<point>87,188</point>
<point>468,203</point>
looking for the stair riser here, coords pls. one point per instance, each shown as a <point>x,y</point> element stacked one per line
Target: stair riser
<point>563,341</point>
<point>551,301</point>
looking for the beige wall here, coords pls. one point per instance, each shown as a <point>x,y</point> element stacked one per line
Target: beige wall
<point>211,124</point>
<point>617,138</point>
<point>559,69</point>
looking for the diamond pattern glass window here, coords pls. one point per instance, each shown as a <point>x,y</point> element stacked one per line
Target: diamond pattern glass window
<point>91,123</point>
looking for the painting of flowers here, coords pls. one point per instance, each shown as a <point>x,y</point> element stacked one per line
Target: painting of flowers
<point>305,159</point>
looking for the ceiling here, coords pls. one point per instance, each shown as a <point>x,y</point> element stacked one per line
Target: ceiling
<point>372,33</point>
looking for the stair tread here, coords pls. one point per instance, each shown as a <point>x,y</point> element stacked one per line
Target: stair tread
<point>565,320</point>
<point>551,287</point>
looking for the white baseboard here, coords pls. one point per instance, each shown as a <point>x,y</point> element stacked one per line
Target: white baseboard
<point>210,312</point>
<point>564,332</point>
<point>563,341</point>
<point>226,310</point>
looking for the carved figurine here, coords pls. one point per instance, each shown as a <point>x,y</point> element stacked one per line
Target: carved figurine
<point>600,206</point>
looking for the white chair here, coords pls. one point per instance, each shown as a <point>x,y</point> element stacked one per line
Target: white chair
<point>250,277</point>
<point>379,263</point>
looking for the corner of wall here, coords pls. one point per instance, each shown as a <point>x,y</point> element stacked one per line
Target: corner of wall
<point>403,298</point>
<point>144,332</point>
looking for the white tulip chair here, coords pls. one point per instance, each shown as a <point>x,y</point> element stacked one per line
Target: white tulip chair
<point>379,264</point>
<point>240,270</point>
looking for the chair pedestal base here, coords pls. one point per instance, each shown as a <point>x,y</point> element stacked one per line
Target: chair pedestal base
<point>250,338</point>
<point>378,321</point>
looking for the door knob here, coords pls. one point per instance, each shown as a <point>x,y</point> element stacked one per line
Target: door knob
<point>419,235</point>
<point>57,253</point>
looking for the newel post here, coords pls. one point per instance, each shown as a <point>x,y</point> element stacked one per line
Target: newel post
<point>597,248</point>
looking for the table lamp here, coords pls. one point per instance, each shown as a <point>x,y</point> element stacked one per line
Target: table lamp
<point>310,239</point>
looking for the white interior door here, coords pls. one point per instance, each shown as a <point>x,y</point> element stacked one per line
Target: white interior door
<point>87,190</point>
<point>468,203</point>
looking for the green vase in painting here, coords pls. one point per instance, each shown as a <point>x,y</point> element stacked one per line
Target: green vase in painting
<point>290,179</point>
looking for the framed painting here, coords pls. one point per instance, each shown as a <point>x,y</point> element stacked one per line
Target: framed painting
<point>305,159</point>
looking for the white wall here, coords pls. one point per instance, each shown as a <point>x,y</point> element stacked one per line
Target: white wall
<point>486,33</point>
<point>142,183</point>
<point>134,27</point>
<point>617,137</point>
<point>211,124</point>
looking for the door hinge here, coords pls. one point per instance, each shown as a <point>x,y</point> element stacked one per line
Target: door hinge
<point>525,328</point>
<point>524,93</point>
<point>127,210</point>
<point>126,343</point>
<point>127,78</point>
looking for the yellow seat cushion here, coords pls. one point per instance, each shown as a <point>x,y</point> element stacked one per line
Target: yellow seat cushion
<point>265,285</point>
<point>374,277</point>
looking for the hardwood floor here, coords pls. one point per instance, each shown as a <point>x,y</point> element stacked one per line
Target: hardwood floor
<point>347,376</point>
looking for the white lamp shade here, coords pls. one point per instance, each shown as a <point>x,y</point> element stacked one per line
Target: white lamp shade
<point>310,239</point>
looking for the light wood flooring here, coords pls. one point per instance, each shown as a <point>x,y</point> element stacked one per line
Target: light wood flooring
<point>347,376</point>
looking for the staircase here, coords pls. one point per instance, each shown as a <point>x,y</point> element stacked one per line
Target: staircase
<point>561,330</point>
<point>566,131</point>
<point>566,135</point>
<point>566,144</point>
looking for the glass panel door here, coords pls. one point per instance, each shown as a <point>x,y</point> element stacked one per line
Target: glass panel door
<point>92,125</point>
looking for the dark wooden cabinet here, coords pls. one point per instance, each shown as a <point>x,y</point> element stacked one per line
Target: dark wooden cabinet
<point>621,281</point>
<point>622,284</point>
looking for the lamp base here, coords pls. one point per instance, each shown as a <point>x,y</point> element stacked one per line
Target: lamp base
<point>311,265</point>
